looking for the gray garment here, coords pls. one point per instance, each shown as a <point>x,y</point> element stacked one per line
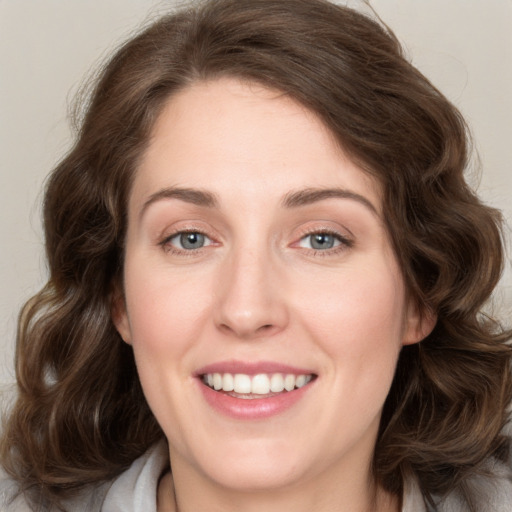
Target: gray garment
<point>492,494</point>
<point>132,491</point>
<point>135,490</point>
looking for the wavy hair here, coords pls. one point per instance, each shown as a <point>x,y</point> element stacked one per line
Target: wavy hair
<point>80,415</point>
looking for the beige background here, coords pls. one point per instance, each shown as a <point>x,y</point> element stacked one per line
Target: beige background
<point>47,49</point>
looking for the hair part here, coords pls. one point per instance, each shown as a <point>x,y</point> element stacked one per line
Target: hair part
<point>81,417</point>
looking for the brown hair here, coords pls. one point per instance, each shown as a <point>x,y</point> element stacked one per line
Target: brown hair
<point>81,417</point>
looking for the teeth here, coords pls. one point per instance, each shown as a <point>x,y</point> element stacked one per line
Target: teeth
<point>228,383</point>
<point>276,383</point>
<point>242,383</point>
<point>300,381</point>
<point>289,382</point>
<point>217,381</point>
<point>261,384</point>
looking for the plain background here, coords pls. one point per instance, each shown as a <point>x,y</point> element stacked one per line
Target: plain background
<point>48,48</point>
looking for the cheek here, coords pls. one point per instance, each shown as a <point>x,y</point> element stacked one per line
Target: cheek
<point>164,307</point>
<point>358,318</point>
<point>166,313</point>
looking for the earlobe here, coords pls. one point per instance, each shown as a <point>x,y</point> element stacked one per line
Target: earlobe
<point>420,323</point>
<point>119,316</point>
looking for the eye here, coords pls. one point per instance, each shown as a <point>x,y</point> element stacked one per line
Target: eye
<point>322,241</point>
<point>188,240</point>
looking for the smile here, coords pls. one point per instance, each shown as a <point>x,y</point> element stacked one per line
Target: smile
<point>262,385</point>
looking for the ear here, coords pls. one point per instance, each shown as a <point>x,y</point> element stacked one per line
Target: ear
<point>420,322</point>
<point>119,314</point>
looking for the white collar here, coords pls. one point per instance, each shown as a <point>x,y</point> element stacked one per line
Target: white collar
<point>413,499</point>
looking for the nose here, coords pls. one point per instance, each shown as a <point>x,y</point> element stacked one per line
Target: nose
<point>251,296</point>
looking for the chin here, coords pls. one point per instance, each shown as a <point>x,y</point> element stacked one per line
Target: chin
<point>256,476</point>
<point>255,468</point>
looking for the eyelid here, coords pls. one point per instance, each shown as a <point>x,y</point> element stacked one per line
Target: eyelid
<point>179,234</point>
<point>165,240</point>
<point>337,240</point>
<point>346,242</point>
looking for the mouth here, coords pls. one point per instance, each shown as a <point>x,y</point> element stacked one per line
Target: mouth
<point>253,391</point>
<point>259,386</point>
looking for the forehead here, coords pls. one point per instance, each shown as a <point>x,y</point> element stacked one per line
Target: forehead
<point>222,133</point>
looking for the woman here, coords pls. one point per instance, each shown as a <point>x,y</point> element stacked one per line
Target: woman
<point>266,282</point>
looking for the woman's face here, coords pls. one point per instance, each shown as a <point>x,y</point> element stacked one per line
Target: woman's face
<point>257,259</point>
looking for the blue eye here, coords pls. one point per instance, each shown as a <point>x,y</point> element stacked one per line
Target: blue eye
<point>189,240</point>
<point>321,241</point>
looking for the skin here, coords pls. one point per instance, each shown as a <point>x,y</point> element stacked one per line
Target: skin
<point>257,290</point>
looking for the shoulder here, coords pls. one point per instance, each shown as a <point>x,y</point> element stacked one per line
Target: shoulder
<point>13,500</point>
<point>491,492</point>
<point>134,490</point>
<point>10,498</point>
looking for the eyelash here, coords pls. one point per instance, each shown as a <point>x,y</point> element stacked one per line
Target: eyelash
<point>168,247</point>
<point>344,242</point>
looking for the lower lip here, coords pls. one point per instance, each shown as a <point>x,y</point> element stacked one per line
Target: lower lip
<point>255,408</point>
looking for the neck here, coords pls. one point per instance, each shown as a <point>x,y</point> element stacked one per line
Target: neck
<point>323,493</point>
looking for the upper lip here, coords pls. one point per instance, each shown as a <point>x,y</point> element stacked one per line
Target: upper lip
<point>252,368</point>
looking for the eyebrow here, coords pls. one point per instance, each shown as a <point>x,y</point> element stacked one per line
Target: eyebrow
<point>313,195</point>
<point>189,195</point>
<point>295,199</point>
